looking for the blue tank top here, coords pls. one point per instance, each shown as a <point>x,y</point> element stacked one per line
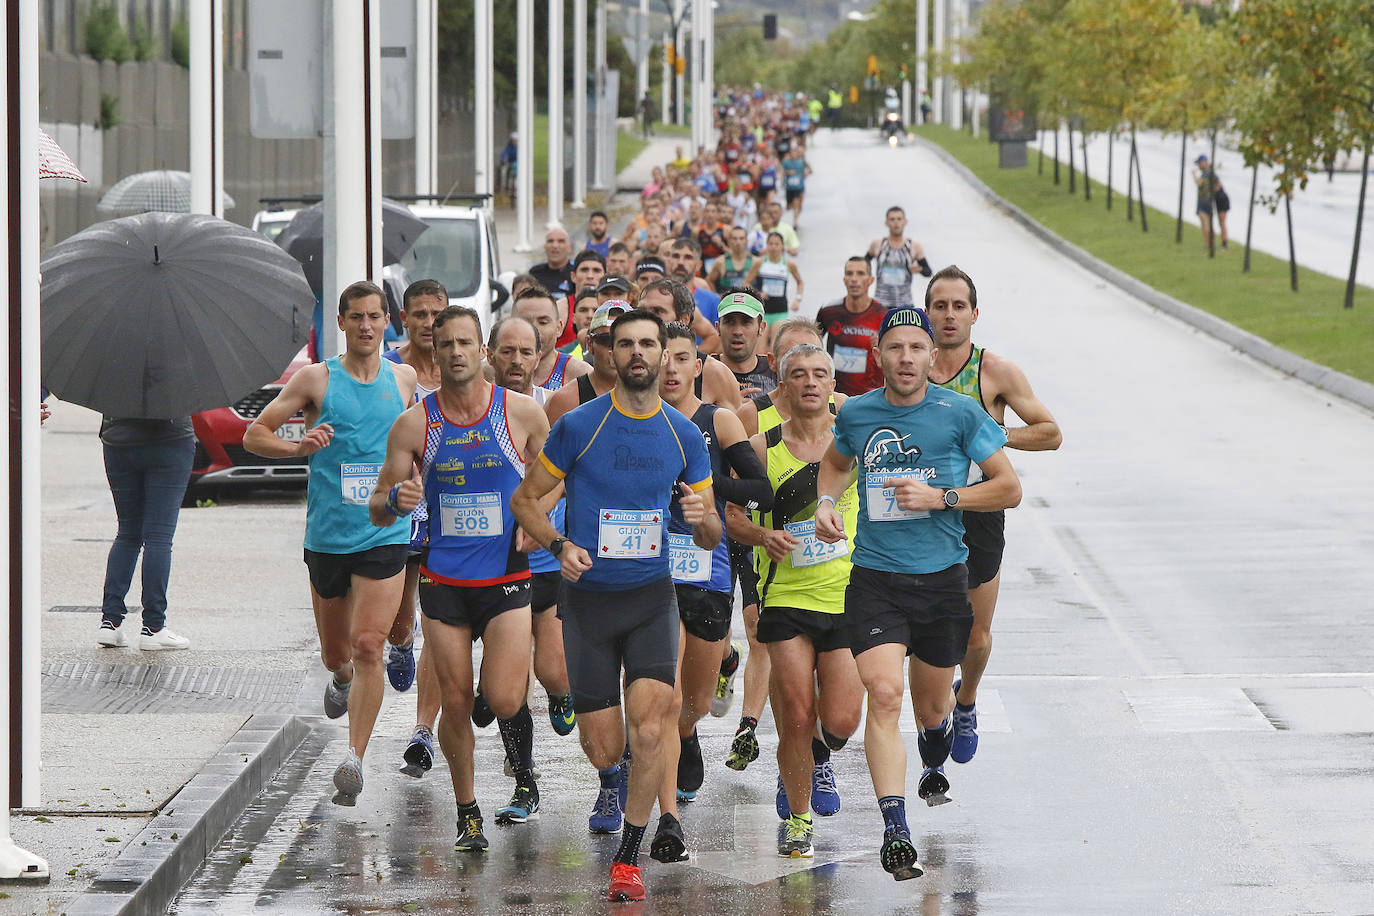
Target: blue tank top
<point>470,473</point>
<point>343,474</point>
<point>708,569</point>
<point>555,379</point>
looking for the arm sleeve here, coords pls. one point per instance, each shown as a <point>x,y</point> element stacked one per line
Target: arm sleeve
<point>925,267</point>
<point>752,489</point>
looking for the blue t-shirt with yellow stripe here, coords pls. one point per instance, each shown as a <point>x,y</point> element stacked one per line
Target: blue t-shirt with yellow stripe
<point>620,470</point>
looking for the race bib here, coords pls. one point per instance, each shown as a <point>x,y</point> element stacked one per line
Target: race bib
<point>851,359</point>
<point>812,550</point>
<point>470,515</point>
<point>894,275</point>
<point>774,287</point>
<point>794,181</point>
<point>357,481</point>
<point>689,562</point>
<point>630,534</point>
<point>882,504</point>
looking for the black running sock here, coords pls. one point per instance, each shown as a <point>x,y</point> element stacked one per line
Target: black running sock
<point>819,752</point>
<point>935,744</point>
<point>517,734</point>
<point>893,808</point>
<point>731,664</point>
<point>468,809</point>
<point>630,839</point>
<point>748,722</point>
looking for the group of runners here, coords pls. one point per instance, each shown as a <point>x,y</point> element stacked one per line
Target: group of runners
<point>584,486</point>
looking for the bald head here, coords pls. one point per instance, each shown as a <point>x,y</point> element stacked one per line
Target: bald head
<point>557,247</point>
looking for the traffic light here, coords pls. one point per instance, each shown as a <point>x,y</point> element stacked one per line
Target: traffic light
<point>901,74</point>
<point>770,26</point>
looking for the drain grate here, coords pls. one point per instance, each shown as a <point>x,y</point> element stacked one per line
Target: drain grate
<point>75,609</point>
<point>86,687</point>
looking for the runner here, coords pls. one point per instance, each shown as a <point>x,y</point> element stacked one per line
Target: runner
<point>669,301</point>
<point>357,571</point>
<point>701,578</point>
<point>891,258</point>
<point>603,375</point>
<point>731,268</point>
<point>794,172</point>
<point>908,590</point>
<point>620,479</point>
<point>850,327</point>
<point>759,414</point>
<point>815,684</point>
<point>770,274</point>
<point>421,301</point>
<point>474,582</point>
<point>555,368</point>
<point>741,329</point>
<point>996,383</point>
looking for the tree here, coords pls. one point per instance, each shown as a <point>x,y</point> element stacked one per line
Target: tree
<point>1307,93</point>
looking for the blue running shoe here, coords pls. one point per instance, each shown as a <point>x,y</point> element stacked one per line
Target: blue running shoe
<point>686,796</point>
<point>400,666</point>
<point>419,753</point>
<point>606,816</point>
<point>825,796</point>
<point>780,803</point>
<point>561,715</point>
<point>965,743</point>
<point>524,805</point>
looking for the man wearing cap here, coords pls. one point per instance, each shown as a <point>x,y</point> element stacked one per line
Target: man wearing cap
<point>913,444</point>
<point>671,301</point>
<point>741,328</point>
<point>602,377</point>
<point>555,369</point>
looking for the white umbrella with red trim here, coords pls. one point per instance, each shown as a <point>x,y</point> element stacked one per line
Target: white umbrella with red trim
<point>52,162</point>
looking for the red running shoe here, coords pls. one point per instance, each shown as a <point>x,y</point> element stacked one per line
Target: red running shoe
<point>626,883</point>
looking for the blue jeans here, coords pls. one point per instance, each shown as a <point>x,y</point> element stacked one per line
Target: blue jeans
<point>147,482</point>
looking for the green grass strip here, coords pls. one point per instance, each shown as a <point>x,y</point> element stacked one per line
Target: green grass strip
<point>1311,322</point>
<point>627,147</point>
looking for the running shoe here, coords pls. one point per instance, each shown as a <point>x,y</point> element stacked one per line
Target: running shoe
<point>825,796</point>
<point>965,743</point>
<point>336,698</point>
<point>400,666</point>
<point>482,716</point>
<point>898,855</point>
<point>780,803</point>
<point>669,845</point>
<point>744,750</point>
<point>691,771</point>
<point>627,883</point>
<point>794,838</point>
<point>110,636</point>
<point>606,816</point>
<point>561,715</point>
<point>470,836</point>
<point>159,640</point>
<point>348,780</point>
<point>933,786</point>
<point>923,745</point>
<point>725,684</point>
<point>524,805</point>
<point>419,753</point>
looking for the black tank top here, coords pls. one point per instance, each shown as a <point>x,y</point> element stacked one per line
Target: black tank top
<point>585,391</point>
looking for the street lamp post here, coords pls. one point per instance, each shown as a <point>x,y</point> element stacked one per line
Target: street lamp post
<point>555,112</point>
<point>579,163</point>
<point>524,116</point>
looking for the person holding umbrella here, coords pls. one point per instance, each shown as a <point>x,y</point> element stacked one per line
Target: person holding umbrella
<point>357,571</point>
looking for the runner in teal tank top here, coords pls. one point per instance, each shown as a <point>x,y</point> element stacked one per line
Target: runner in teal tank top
<point>357,571</point>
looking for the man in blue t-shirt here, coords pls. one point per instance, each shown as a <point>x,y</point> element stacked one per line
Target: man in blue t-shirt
<point>908,590</point>
<point>620,457</point>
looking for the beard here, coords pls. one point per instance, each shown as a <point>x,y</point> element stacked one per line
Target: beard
<point>638,383</point>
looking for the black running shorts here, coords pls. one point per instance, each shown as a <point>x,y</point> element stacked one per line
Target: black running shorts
<point>985,536</point>
<point>331,574</point>
<point>545,590</point>
<point>471,606</point>
<point>603,632</point>
<point>827,632</point>
<point>930,614</point>
<point>705,614</point>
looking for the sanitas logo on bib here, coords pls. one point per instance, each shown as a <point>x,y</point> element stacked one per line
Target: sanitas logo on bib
<point>887,448</point>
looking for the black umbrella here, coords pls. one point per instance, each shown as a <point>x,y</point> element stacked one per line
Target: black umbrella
<point>304,238</point>
<point>165,314</point>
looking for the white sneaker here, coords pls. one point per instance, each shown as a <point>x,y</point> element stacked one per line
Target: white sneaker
<point>162,639</point>
<point>110,636</point>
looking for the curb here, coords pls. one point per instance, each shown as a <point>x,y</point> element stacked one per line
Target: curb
<point>1356,391</point>
<point>151,870</point>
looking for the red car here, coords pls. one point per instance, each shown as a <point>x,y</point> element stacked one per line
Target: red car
<point>222,461</point>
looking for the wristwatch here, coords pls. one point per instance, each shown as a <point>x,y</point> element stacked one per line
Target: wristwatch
<point>951,498</point>
<point>556,546</point>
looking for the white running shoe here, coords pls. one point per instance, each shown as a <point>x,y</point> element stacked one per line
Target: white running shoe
<point>164,638</point>
<point>110,636</point>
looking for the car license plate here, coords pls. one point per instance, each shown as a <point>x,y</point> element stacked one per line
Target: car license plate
<point>291,431</point>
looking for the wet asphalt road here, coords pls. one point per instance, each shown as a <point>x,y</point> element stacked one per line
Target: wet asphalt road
<point>1179,709</point>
